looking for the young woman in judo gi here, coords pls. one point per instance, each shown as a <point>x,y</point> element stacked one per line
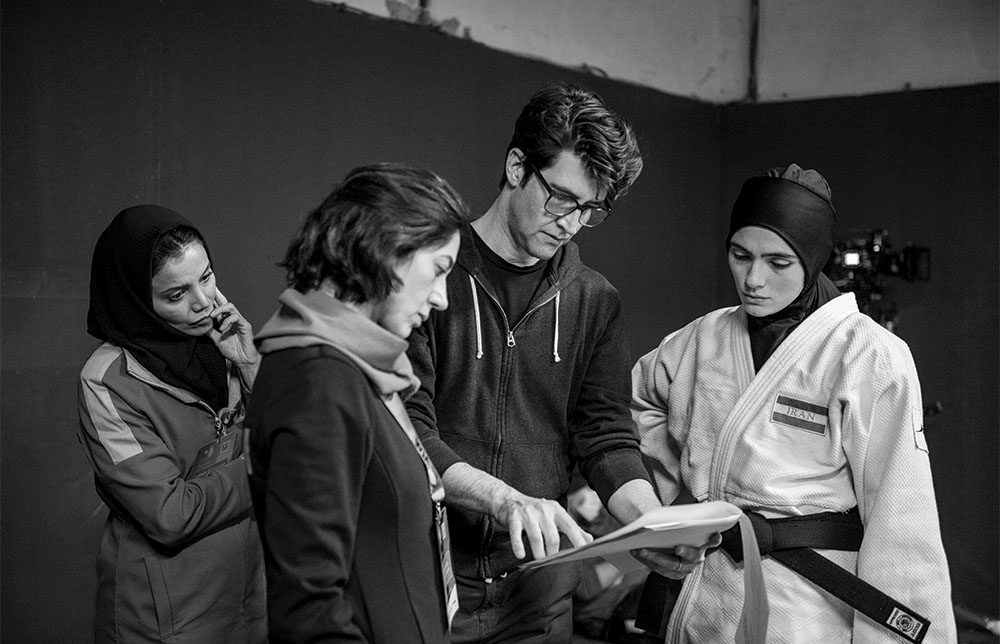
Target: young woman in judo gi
<point>806,414</point>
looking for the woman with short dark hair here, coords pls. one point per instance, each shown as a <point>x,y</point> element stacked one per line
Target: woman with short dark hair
<point>161,415</point>
<point>350,507</point>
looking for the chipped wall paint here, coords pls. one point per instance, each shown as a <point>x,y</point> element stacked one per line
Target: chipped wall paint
<point>695,49</point>
<point>701,48</point>
<point>817,48</point>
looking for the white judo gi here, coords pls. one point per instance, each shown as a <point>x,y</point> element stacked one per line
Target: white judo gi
<point>833,419</point>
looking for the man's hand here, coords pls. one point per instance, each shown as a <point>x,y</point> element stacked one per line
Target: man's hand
<point>678,562</point>
<point>541,521</point>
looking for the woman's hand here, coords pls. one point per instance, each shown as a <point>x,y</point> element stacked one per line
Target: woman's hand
<point>677,563</point>
<point>233,334</point>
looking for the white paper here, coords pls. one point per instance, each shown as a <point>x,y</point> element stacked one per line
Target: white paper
<point>666,527</point>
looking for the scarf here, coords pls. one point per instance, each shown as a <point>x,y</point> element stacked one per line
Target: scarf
<point>315,317</point>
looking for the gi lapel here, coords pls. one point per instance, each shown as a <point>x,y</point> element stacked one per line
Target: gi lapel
<point>757,389</point>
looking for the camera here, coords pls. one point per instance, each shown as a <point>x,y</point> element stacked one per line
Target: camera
<point>859,263</point>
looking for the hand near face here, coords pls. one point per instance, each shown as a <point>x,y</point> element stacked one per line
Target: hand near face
<point>678,562</point>
<point>232,333</point>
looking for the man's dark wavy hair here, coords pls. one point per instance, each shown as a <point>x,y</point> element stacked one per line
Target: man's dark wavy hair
<point>562,116</point>
<point>378,215</point>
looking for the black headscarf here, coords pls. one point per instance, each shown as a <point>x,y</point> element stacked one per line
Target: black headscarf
<point>796,205</point>
<point>121,306</point>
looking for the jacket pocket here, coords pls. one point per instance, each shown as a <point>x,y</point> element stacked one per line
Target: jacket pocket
<point>536,469</point>
<point>161,598</point>
<point>199,591</point>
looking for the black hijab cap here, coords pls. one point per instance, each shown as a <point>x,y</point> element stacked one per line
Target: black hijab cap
<point>796,205</point>
<point>798,214</point>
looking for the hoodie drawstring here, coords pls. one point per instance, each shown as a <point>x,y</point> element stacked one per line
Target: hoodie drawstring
<point>555,334</point>
<point>479,325</point>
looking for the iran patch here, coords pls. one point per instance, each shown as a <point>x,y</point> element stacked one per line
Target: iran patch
<point>799,414</point>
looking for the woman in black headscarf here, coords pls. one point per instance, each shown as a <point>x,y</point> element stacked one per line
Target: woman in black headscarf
<point>807,415</point>
<point>161,415</point>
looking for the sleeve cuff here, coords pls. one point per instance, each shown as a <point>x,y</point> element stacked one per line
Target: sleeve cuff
<point>440,454</point>
<point>613,469</point>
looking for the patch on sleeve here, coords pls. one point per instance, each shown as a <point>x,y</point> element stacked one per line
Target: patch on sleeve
<point>799,414</point>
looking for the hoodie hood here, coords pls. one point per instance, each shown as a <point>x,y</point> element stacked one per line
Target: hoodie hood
<point>314,318</point>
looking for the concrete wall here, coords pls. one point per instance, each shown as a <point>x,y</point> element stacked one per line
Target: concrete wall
<point>701,48</point>
<point>816,48</point>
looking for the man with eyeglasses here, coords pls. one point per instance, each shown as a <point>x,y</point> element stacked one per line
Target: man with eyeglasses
<point>527,373</point>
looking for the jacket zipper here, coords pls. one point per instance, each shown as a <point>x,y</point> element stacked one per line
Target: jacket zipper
<point>510,338</point>
<point>216,420</point>
<point>510,344</point>
<point>510,334</point>
<point>506,321</point>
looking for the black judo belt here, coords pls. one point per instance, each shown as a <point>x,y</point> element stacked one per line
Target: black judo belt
<point>791,541</point>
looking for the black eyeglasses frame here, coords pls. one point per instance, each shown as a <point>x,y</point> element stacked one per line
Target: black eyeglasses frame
<point>587,210</point>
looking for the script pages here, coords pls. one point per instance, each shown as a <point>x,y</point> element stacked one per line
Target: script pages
<point>666,527</point>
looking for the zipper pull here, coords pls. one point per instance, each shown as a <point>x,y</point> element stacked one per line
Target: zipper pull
<point>218,426</point>
<point>510,339</point>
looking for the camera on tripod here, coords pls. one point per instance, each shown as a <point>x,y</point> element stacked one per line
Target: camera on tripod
<point>859,263</point>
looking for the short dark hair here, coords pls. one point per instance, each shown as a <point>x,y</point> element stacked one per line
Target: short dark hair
<point>562,116</point>
<point>379,214</point>
<point>171,245</point>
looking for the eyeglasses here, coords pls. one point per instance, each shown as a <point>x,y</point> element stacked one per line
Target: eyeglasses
<point>560,204</point>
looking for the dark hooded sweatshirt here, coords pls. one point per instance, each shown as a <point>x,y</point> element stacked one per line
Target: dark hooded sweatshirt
<point>527,403</point>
